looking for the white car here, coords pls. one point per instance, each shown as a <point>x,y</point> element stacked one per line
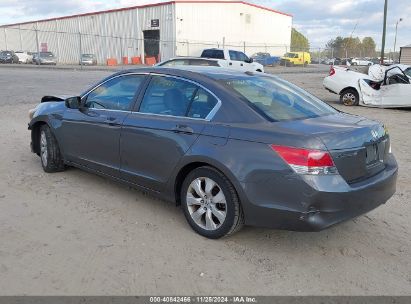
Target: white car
<point>233,59</point>
<point>196,61</point>
<point>357,61</point>
<point>24,57</point>
<point>386,87</point>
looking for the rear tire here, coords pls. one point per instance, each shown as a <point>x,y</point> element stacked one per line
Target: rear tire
<point>349,97</point>
<point>50,155</point>
<point>211,204</point>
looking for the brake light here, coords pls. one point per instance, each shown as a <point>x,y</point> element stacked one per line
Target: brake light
<point>305,161</point>
<point>332,70</point>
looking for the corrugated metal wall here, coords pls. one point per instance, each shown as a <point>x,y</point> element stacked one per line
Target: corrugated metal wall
<point>205,25</point>
<point>185,30</point>
<point>406,55</point>
<point>107,35</point>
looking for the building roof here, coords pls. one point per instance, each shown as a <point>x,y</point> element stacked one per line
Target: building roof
<point>406,46</point>
<point>151,5</point>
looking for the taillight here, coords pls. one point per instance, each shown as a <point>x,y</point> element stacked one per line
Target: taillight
<point>306,161</point>
<point>332,70</point>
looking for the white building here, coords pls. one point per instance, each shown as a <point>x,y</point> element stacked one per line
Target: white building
<point>168,29</point>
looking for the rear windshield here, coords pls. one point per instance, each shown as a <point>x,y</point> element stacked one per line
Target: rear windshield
<point>278,99</point>
<point>212,53</point>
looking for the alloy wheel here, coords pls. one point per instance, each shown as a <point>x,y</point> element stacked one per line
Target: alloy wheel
<point>206,203</point>
<point>349,99</point>
<point>43,148</point>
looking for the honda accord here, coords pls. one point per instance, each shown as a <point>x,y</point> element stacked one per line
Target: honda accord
<point>231,148</point>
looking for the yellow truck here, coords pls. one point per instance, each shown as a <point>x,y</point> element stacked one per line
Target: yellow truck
<point>296,58</point>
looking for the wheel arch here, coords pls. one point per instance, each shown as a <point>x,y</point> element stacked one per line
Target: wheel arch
<point>188,167</point>
<point>35,135</point>
<point>349,88</point>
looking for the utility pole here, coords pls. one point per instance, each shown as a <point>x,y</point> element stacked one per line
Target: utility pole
<point>384,30</point>
<point>396,29</point>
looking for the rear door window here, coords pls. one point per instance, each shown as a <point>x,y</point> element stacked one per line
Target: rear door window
<point>176,97</point>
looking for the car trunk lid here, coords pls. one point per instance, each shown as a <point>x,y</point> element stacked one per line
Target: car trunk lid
<point>358,146</point>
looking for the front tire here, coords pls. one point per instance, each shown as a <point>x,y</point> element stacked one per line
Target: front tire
<point>349,97</point>
<point>50,155</point>
<point>211,204</point>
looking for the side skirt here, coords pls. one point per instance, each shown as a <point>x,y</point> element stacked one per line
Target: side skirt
<point>152,192</point>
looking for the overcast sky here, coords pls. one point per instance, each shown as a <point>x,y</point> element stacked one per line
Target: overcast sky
<point>318,20</point>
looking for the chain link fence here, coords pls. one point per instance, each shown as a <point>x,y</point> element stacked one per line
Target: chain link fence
<point>70,48</point>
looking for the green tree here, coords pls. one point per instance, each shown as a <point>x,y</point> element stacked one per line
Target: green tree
<point>368,47</point>
<point>299,42</point>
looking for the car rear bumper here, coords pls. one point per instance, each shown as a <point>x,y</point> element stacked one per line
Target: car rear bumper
<point>320,204</point>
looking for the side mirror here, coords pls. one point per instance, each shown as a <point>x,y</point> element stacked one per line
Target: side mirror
<point>73,102</point>
<point>250,60</point>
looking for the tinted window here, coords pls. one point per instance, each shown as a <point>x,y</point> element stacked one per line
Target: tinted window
<point>278,99</point>
<point>238,56</point>
<point>233,55</point>
<point>202,104</point>
<point>176,97</point>
<point>115,94</point>
<point>212,53</point>
<point>408,72</point>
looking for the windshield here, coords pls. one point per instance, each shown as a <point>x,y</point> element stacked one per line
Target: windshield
<point>46,54</point>
<point>408,72</point>
<point>278,99</point>
<point>87,55</point>
<point>291,55</point>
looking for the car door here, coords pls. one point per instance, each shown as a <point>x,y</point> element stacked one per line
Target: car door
<point>237,62</point>
<point>397,94</point>
<point>91,135</point>
<point>170,117</point>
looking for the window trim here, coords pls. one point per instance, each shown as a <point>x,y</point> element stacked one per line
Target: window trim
<point>135,108</point>
<point>209,116</point>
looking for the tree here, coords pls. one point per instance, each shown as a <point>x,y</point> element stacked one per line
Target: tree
<point>351,47</point>
<point>368,47</point>
<point>299,42</point>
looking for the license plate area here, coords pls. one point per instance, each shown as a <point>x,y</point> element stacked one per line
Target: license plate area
<point>375,154</point>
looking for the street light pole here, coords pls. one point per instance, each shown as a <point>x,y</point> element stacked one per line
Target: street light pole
<point>384,29</point>
<point>396,30</point>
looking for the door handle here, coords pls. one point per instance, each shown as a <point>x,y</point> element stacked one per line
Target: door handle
<point>230,63</point>
<point>242,64</point>
<point>112,121</point>
<point>183,129</point>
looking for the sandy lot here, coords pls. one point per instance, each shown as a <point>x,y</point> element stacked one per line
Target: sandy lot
<point>76,233</point>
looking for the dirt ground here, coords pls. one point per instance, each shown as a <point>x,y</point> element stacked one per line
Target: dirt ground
<point>74,233</point>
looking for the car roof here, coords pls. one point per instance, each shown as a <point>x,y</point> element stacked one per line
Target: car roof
<point>195,71</point>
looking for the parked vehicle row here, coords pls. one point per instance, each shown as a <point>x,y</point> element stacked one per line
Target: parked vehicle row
<point>8,57</point>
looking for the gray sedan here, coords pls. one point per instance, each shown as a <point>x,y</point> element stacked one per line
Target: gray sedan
<point>231,148</point>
